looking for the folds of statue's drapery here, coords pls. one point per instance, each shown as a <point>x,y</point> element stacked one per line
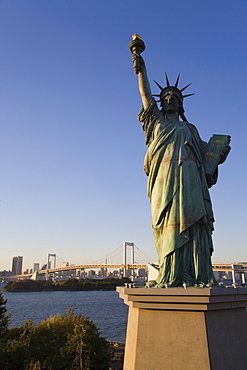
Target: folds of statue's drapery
<point>181,209</point>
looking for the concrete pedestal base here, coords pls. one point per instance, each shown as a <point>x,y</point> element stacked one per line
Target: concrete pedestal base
<point>186,329</point>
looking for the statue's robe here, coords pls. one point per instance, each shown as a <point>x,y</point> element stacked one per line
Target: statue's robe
<point>182,216</point>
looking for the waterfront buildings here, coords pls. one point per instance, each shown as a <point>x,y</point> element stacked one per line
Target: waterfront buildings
<point>17,265</point>
<point>225,274</point>
<point>35,267</point>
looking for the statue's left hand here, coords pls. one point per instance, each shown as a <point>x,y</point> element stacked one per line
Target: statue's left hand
<point>224,153</point>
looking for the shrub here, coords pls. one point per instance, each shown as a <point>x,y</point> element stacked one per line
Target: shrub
<point>61,342</point>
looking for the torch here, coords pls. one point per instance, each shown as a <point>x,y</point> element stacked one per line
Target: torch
<point>136,47</point>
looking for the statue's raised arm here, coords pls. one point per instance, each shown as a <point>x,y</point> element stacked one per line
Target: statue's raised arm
<point>136,47</point>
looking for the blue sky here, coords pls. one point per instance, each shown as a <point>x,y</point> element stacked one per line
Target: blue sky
<point>71,148</point>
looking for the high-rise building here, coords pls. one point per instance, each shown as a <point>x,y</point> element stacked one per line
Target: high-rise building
<point>35,266</point>
<point>65,264</point>
<point>17,265</point>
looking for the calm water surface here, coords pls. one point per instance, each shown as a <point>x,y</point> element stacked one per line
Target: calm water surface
<point>105,308</point>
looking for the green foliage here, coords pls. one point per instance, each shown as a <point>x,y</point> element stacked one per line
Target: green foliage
<point>83,349</point>
<point>90,284</point>
<point>29,285</point>
<point>61,342</point>
<point>69,284</point>
<point>14,347</point>
<point>4,318</point>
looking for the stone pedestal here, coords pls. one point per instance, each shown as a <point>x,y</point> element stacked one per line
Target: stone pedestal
<point>186,329</point>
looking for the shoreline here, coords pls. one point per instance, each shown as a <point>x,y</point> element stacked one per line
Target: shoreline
<point>70,285</point>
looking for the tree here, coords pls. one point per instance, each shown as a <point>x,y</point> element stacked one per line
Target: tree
<point>60,342</point>
<point>86,349</point>
<point>4,319</point>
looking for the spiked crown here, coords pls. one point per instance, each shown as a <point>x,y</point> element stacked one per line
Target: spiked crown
<point>172,89</point>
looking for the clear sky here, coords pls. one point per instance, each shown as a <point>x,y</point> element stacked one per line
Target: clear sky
<point>71,170</point>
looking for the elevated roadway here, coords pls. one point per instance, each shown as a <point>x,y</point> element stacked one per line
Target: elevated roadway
<point>236,267</point>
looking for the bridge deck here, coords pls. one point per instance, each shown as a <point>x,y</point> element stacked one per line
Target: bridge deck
<point>238,268</point>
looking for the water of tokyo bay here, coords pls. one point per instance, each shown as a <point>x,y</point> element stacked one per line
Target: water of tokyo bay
<point>105,308</point>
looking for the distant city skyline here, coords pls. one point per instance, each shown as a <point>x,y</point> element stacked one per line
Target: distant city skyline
<point>17,262</point>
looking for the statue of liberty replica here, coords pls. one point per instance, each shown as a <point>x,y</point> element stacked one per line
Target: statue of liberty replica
<point>181,167</point>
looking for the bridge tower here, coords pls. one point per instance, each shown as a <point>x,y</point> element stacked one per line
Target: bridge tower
<point>132,255</point>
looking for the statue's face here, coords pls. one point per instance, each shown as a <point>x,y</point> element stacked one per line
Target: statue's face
<point>170,103</point>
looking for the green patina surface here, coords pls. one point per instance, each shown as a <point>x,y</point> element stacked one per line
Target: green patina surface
<point>182,215</point>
